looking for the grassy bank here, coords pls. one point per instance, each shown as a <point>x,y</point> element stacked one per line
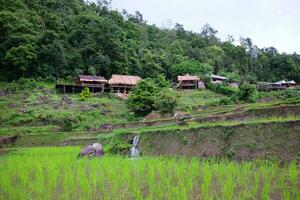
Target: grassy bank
<point>54,173</point>
<point>40,109</point>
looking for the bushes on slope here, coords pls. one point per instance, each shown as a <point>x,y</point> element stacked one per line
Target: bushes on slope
<point>152,94</point>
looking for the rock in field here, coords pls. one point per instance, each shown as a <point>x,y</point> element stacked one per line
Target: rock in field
<point>93,150</point>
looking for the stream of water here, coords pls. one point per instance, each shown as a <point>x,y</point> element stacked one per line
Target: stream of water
<point>134,152</point>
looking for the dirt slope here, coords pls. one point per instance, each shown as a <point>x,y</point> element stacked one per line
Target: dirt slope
<point>266,140</point>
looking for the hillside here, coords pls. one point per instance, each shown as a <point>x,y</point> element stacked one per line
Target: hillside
<point>42,117</point>
<point>59,39</point>
<point>154,113</point>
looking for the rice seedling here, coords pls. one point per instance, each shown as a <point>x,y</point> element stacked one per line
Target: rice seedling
<point>55,173</point>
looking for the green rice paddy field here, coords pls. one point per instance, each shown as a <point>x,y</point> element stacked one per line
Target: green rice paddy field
<point>55,173</point>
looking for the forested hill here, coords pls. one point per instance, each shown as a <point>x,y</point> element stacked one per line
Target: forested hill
<point>55,39</point>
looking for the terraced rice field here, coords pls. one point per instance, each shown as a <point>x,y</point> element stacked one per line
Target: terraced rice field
<point>55,173</point>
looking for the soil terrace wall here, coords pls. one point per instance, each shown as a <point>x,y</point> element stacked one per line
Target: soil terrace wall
<point>242,142</point>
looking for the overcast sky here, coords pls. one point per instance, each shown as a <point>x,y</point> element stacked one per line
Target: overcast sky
<point>267,22</point>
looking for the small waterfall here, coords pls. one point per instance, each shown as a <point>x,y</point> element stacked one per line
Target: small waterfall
<point>134,152</point>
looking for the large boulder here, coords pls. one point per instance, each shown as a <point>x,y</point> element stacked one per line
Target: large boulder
<point>157,115</point>
<point>65,101</point>
<point>180,117</point>
<point>93,150</point>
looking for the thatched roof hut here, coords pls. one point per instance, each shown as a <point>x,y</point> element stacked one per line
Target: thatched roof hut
<point>123,83</point>
<point>124,80</point>
<point>292,82</point>
<point>90,80</point>
<point>218,79</point>
<point>187,82</point>
<point>287,84</point>
<point>187,77</point>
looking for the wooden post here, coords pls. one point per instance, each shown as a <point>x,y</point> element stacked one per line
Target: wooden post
<point>64,89</point>
<point>73,89</point>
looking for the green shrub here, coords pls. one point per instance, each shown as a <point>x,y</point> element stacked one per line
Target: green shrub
<point>85,94</point>
<point>282,94</point>
<point>285,94</point>
<point>161,81</point>
<point>130,117</point>
<point>185,140</point>
<point>68,123</point>
<point>141,99</point>
<point>227,134</point>
<point>213,103</point>
<point>166,101</point>
<point>247,92</point>
<point>45,118</point>
<point>22,84</point>
<point>225,101</point>
<point>104,101</point>
<point>234,98</point>
<point>119,148</point>
<point>221,89</point>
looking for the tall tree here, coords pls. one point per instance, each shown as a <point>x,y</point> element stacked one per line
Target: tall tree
<point>251,49</point>
<point>208,31</point>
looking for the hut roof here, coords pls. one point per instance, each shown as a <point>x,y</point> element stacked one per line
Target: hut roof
<point>123,80</point>
<point>280,82</point>
<point>187,77</point>
<point>219,77</point>
<point>283,82</point>
<point>291,82</point>
<point>88,78</point>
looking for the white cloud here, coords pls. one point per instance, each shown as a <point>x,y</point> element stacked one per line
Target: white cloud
<point>267,22</point>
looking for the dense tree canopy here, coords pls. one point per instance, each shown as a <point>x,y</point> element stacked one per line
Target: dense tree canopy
<point>60,38</point>
<point>152,94</point>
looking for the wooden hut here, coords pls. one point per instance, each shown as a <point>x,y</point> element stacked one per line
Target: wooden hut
<point>122,83</point>
<point>268,86</point>
<point>218,79</point>
<point>279,85</point>
<point>90,80</point>
<point>285,84</point>
<point>291,84</point>
<point>93,82</point>
<point>187,82</point>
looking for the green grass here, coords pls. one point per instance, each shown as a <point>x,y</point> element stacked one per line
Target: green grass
<point>195,125</point>
<point>27,109</point>
<point>54,173</point>
<point>194,98</point>
<point>24,113</point>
